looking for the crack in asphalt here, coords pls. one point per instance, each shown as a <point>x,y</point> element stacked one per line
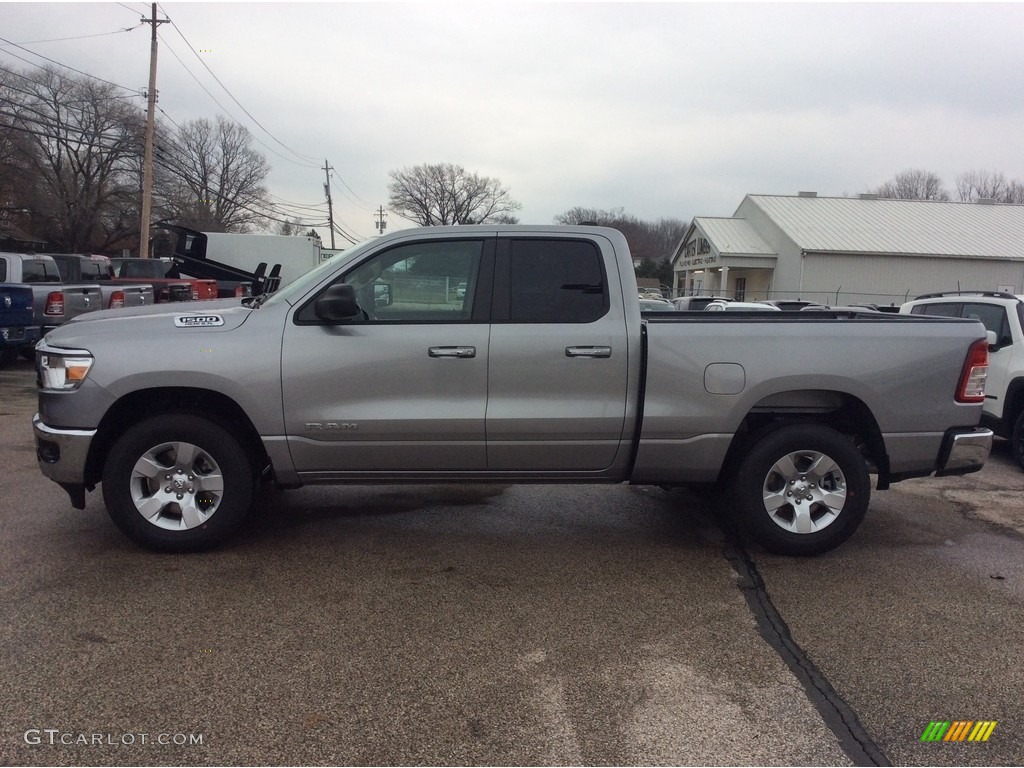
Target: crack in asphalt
<point>836,713</point>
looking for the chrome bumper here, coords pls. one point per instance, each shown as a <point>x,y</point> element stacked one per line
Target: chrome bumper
<point>62,452</point>
<point>964,451</point>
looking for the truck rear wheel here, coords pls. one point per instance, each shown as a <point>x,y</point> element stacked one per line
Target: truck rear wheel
<point>802,490</point>
<point>178,483</point>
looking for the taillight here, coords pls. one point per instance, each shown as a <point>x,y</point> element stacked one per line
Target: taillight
<point>972,378</point>
<point>116,300</point>
<point>239,292</point>
<point>54,304</point>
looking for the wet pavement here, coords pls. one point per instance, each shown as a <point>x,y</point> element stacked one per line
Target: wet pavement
<point>517,625</point>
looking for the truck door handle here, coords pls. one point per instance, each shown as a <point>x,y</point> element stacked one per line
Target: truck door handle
<point>461,352</point>
<point>588,351</point>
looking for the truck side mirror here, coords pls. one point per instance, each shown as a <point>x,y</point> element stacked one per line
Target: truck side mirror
<point>337,304</point>
<point>382,294</point>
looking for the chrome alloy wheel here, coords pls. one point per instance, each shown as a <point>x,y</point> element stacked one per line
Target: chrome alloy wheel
<point>804,491</point>
<point>176,486</point>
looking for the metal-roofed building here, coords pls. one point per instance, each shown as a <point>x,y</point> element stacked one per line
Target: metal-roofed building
<point>840,250</point>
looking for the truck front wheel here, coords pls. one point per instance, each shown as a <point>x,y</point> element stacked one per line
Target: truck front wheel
<point>802,490</point>
<point>178,483</point>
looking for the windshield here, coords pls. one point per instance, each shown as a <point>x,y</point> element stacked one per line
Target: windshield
<point>301,285</point>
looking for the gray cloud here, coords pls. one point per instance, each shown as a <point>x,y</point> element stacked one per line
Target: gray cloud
<point>665,109</point>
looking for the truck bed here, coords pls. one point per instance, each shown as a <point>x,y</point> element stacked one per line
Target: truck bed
<point>706,372</point>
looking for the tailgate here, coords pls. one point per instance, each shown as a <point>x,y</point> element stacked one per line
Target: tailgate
<point>79,299</point>
<point>137,295</point>
<point>15,312</point>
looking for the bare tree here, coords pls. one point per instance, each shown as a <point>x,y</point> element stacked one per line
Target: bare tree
<point>210,178</point>
<point>650,241</point>
<point>72,163</point>
<point>913,184</point>
<point>598,216</point>
<point>290,227</point>
<point>443,193</point>
<point>15,148</point>
<point>989,185</point>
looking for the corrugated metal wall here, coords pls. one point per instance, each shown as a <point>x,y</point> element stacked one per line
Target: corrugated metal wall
<point>890,279</point>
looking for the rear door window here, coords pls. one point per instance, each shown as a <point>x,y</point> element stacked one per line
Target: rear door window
<point>945,309</point>
<point>992,316</point>
<point>555,281</point>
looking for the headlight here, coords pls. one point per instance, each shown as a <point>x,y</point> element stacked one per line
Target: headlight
<point>63,370</point>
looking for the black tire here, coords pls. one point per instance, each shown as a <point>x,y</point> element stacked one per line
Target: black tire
<point>7,356</point>
<point>1017,439</point>
<point>27,353</point>
<point>192,459</point>
<point>802,490</point>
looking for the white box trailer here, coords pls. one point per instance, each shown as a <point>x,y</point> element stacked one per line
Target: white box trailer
<point>240,261</point>
<point>297,254</point>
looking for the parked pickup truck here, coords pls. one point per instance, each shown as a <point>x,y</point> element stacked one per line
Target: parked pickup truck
<point>53,301</point>
<point>370,369</point>
<point>97,269</point>
<point>163,275</point>
<point>17,328</point>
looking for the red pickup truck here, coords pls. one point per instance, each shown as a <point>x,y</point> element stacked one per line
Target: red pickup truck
<point>163,275</point>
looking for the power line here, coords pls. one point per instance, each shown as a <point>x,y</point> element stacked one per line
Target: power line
<point>80,37</point>
<point>65,139</point>
<point>93,98</point>
<point>133,10</point>
<point>234,201</point>
<point>226,110</point>
<point>240,105</point>
<point>345,234</point>
<point>96,137</point>
<point>293,204</point>
<point>357,199</point>
<point>59,64</point>
<point>170,118</point>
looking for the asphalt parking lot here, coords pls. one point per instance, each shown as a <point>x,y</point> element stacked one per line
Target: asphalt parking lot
<point>507,625</point>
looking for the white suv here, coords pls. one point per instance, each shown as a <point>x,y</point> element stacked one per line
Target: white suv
<point>1003,315</point>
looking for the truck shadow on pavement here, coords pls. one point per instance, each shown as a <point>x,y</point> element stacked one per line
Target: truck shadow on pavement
<point>678,518</point>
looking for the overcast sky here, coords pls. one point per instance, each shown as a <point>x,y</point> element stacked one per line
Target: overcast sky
<point>666,110</point>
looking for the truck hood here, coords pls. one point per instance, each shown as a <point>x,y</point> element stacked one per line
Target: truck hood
<point>186,317</point>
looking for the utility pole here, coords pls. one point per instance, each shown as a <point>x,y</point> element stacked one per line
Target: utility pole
<point>381,224</point>
<point>330,204</point>
<point>147,163</point>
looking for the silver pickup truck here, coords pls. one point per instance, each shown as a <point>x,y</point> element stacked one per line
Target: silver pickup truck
<point>378,367</point>
<point>53,301</point>
<point>97,269</point>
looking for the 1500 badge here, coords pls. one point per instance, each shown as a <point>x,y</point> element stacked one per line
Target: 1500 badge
<point>197,321</point>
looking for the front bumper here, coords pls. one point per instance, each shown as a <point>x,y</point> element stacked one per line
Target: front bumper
<point>62,453</point>
<point>964,451</point>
